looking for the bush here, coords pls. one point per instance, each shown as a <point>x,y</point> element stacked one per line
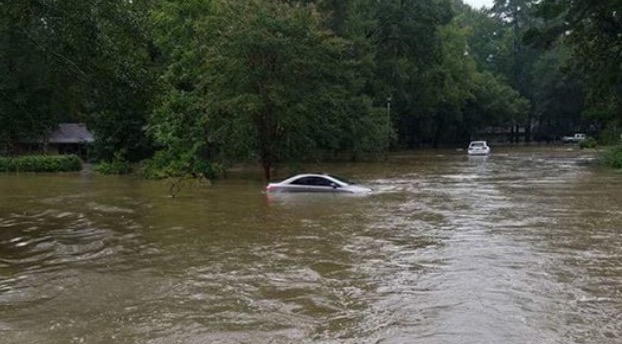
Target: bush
<point>118,165</point>
<point>114,167</point>
<point>165,164</point>
<point>589,142</point>
<point>613,157</point>
<point>40,163</point>
<point>610,135</point>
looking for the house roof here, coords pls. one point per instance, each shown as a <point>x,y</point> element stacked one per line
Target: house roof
<point>71,133</point>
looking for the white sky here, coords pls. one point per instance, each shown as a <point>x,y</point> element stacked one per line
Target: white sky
<point>478,3</point>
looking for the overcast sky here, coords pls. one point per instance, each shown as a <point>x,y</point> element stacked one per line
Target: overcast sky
<point>478,3</point>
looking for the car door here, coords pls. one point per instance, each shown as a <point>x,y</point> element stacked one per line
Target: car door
<point>321,184</point>
<point>299,185</point>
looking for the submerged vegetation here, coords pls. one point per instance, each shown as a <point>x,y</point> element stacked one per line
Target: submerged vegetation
<point>613,157</point>
<point>167,165</point>
<point>118,165</point>
<point>186,88</point>
<point>589,142</point>
<point>40,163</point>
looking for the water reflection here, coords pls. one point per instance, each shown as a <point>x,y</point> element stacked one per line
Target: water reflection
<point>520,246</point>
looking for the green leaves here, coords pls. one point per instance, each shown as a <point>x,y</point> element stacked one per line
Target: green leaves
<point>279,82</point>
<point>74,60</point>
<point>591,29</point>
<point>273,82</point>
<point>40,163</point>
<point>261,80</point>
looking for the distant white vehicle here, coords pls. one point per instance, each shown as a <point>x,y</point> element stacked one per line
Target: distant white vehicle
<point>478,148</point>
<point>573,139</point>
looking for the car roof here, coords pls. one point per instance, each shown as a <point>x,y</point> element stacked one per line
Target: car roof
<point>323,175</point>
<point>303,175</point>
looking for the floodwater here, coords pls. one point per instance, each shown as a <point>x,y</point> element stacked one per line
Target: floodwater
<point>524,246</point>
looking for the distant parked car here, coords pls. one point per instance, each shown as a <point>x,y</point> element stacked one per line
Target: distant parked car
<point>577,138</point>
<point>316,183</point>
<point>478,148</point>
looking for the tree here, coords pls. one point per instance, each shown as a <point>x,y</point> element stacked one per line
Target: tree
<point>262,80</point>
<point>68,60</point>
<point>35,90</point>
<point>591,29</point>
<point>558,95</point>
<point>407,47</point>
<point>517,17</point>
<point>471,99</point>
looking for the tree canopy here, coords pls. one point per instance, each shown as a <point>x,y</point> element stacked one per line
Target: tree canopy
<point>200,83</point>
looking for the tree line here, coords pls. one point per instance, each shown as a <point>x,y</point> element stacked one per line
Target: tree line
<point>196,84</point>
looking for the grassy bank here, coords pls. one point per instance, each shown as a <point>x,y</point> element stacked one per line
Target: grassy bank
<point>40,163</point>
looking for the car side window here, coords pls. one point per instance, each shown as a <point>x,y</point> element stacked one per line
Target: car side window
<point>302,181</point>
<point>317,181</point>
<point>312,181</point>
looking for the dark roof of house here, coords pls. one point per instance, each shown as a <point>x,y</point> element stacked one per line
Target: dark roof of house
<point>71,133</point>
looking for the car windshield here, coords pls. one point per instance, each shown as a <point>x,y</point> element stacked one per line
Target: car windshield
<point>477,144</point>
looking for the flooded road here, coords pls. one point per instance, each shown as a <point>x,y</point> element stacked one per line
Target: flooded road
<point>520,247</point>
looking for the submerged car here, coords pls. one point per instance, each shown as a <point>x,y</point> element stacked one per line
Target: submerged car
<point>316,183</point>
<point>478,148</point>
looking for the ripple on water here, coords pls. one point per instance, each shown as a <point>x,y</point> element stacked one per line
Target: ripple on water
<point>510,249</point>
<point>42,254</point>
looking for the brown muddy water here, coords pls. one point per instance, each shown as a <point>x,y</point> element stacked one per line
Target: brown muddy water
<point>524,246</point>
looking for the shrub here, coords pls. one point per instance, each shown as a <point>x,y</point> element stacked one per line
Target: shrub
<point>114,167</point>
<point>40,163</point>
<point>610,135</point>
<point>613,157</point>
<point>118,165</point>
<point>589,142</point>
<point>165,164</point>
